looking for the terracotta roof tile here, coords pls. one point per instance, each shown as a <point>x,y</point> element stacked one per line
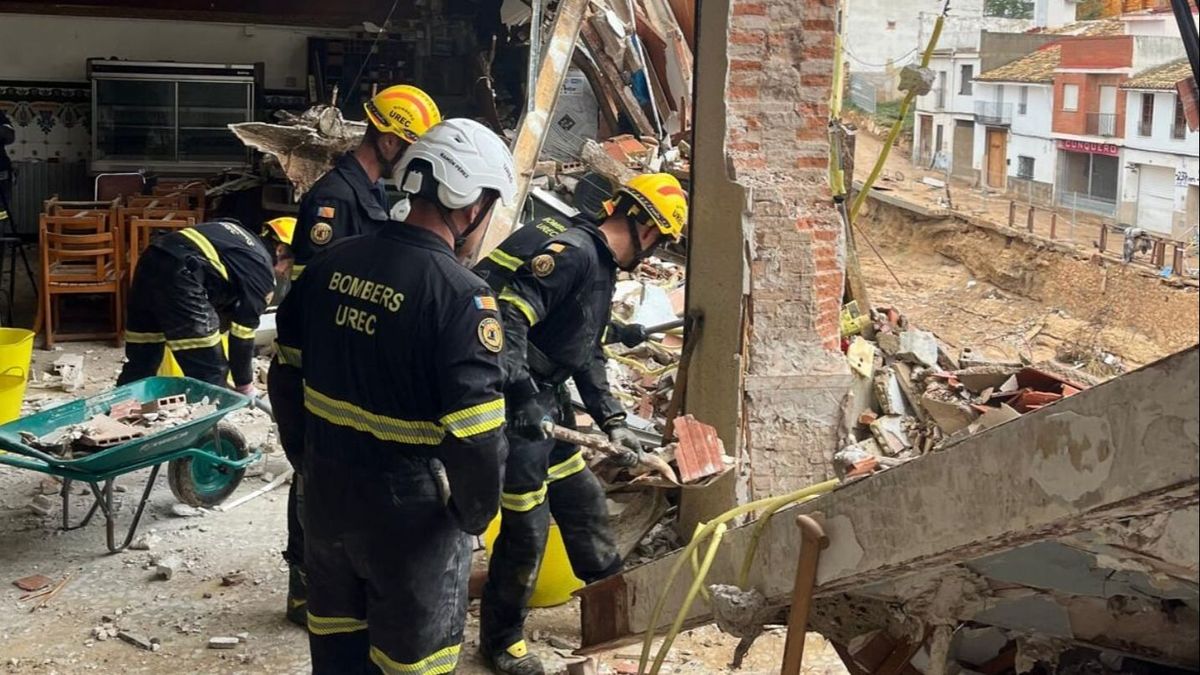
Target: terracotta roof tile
<point>1090,28</point>
<point>1160,77</point>
<point>1036,68</point>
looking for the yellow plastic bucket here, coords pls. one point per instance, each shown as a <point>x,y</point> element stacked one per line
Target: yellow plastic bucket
<point>556,580</point>
<point>16,351</point>
<point>170,367</point>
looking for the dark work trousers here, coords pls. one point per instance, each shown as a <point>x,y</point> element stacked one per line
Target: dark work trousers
<point>291,437</point>
<point>387,570</point>
<point>535,473</point>
<point>168,306</point>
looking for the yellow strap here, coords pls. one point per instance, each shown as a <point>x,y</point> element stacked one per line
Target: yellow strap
<point>344,414</point>
<point>289,356</point>
<point>518,649</point>
<point>195,343</point>
<point>207,249</point>
<point>237,330</point>
<point>332,625</point>
<point>478,419</point>
<point>508,262</point>
<point>437,663</point>
<point>296,271</point>
<point>517,301</point>
<point>526,501</point>
<point>566,468</point>
<point>136,338</point>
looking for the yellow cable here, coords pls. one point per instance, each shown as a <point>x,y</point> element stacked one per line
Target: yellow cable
<point>704,533</point>
<point>909,96</point>
<point>697,584</point>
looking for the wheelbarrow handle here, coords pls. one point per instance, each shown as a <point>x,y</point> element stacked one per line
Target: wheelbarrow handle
<point>263,404</point>
<point>234,464</point>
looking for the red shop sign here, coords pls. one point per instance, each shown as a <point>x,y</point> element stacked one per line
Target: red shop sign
<point>1089,147</point>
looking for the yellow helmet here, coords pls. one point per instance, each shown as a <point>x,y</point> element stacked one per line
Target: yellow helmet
<point>657,197</point>
<point>403,110</point>
<point>282,227</point>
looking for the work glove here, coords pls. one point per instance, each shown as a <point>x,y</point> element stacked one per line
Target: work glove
<point>624,438</point>
<point>630,334</point>
<point>528,418</point>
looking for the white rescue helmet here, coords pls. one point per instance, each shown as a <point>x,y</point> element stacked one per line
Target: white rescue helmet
<point>465,158</point>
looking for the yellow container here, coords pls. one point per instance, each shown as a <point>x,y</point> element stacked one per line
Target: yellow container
<point>170,367</point>
<point>556,580</point>
<point>16,351</point>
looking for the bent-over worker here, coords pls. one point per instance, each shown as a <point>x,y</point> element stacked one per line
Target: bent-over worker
<point>555,309</point>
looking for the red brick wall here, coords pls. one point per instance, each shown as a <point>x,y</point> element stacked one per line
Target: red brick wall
<point>1075,122</point>
<point>780,72</point>
<point>1112,51</point>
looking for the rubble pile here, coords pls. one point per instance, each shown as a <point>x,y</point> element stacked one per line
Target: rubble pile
<point>911,396</point>
<point>125,421</point>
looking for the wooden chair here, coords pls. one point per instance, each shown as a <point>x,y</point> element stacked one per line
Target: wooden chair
<point>173,213</point>
<point>141,230</point>
<point>79,255</point>
<point>195,189</point>
<point>52,205</point>
<point>174,201</point>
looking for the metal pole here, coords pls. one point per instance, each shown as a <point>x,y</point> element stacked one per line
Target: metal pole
<point>535,53</point>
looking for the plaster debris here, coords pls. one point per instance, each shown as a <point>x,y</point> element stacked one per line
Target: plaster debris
<point>223,642</point>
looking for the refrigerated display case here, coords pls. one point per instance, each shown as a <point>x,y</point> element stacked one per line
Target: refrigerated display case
<point>169,117</point>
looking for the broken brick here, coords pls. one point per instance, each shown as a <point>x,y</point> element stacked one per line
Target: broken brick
<point>34,582</point>
<point>700,453</point>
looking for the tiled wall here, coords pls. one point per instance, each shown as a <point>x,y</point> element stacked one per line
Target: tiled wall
<point>52,120</point>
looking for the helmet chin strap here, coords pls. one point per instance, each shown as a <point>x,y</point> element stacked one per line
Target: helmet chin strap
<point>460,238</point>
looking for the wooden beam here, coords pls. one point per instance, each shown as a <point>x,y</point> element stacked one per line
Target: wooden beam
<point>1108,452</point>
<point>531,132</point>
<point>610,73</point>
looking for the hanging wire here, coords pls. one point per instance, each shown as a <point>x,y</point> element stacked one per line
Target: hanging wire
<point>371,51</point>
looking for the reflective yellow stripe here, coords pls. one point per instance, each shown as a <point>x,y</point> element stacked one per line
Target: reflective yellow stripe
<point>566,468</point>
<point>341,413</point>
<point>289,356</point>
<point>134,337</point>
<point>517,301</point>
<point>508,262</point>
<point>437,663</point>
<point>237,330</point>
<point>478,419</point>
<point>331,625</point>
<point>523,502</point>
<point>207,249</point>
<point>296,271</point>
<point>195,343</point>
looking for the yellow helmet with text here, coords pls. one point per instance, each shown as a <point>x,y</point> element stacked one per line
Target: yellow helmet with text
<point>403,110</point>
<point>656,198</point>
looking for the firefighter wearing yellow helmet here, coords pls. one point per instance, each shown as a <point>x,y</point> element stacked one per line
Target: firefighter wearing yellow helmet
<point>555,304</point>
<point>349,200</point>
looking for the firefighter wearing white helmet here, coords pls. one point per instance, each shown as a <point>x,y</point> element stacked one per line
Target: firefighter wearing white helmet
<point>390,352</point>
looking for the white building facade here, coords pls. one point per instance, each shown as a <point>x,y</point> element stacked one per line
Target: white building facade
<point>1022,161</point>
<point>1160,163</point>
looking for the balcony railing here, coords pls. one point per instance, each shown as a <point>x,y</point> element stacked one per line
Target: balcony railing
<point>992,112</point>
<point>1145,128</point>
<point>1102,124</point>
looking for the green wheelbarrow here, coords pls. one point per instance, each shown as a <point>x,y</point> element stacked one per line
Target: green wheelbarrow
<point>206,457</point>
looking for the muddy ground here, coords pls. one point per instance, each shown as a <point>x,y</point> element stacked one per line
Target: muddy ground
<point>194,605</point>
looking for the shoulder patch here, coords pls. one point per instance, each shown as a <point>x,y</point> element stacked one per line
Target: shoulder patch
<point>491,335</point>
<point>321,233</point>
<point>326,212</point>
<point>542,265</point>
<point>557,247</point>
<point>485,302</point>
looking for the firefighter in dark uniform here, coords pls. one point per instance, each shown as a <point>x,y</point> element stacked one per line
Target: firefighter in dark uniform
<point>189,286</point>
<point>347,201</point>
<point>555,309</point>
<point>390,351</point>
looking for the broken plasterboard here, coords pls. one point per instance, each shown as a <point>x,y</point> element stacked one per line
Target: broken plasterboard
<point>861,356</point>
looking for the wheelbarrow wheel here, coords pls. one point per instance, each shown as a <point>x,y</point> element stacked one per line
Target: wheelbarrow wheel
<point>198,482</point>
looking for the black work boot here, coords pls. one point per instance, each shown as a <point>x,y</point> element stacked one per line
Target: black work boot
<point>297,597</point>
<point>516,660</point>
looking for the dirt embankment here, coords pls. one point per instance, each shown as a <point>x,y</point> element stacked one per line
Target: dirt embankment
<point>975,285</point>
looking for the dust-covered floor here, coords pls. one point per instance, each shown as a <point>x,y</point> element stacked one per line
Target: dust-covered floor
<point>184,612</point>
